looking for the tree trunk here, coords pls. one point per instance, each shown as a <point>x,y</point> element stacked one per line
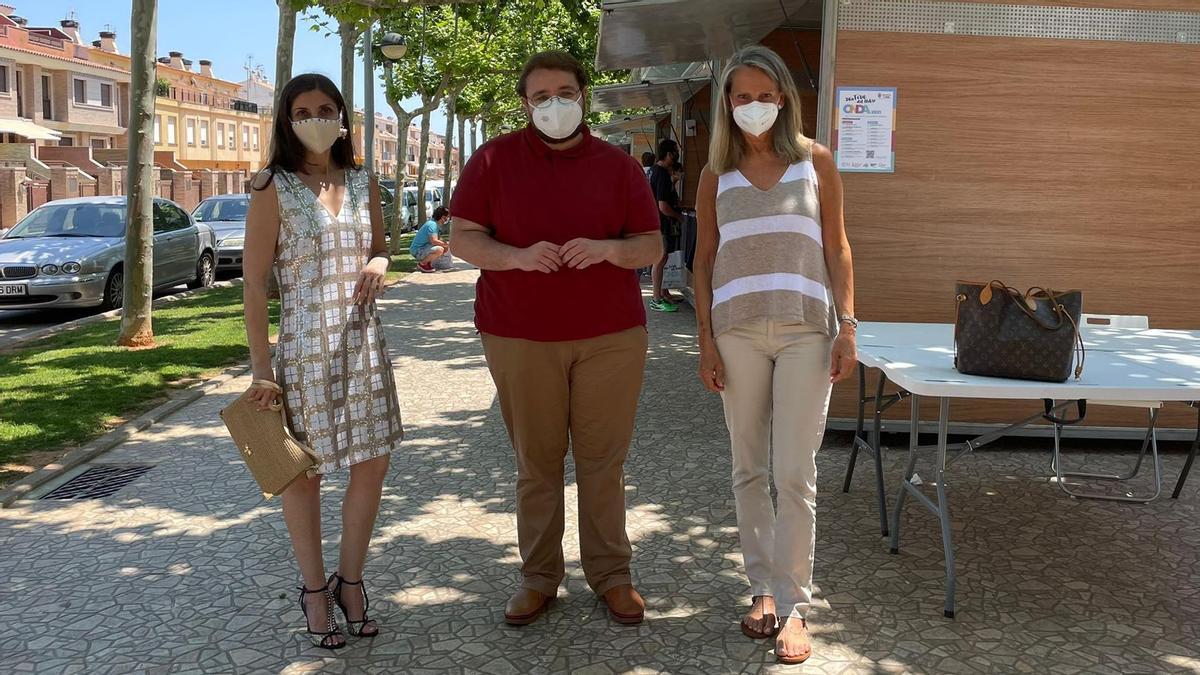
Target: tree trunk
<point>349,33</point>
<point>402,121</point>
<point>474,134</point>
<point>284,48</point>
<point>483,127</point>
<point>462,145</point>
<point>422,163</point>
<point>137,329</point>
<point>451,104</point>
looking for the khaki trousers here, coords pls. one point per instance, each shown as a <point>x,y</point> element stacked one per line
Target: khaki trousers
<point>776,400</point>
<point>581,394</point>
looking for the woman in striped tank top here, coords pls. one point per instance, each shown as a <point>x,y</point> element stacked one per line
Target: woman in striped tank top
<point>773,269</point>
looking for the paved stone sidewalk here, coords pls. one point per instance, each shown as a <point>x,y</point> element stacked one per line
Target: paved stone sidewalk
<point>188,570</point>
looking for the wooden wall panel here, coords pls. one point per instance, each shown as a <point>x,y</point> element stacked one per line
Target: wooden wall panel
<point>1050,163</point>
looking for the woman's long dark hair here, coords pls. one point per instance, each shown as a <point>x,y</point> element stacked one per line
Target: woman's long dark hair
<point>287,152</point>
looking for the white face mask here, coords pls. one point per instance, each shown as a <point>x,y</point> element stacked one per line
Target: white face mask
<point>558,118</point>
<point>756,118</point>
<point>318,134</point>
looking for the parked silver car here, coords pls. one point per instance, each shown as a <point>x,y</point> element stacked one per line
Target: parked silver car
<point>226,215</point>
<point>71,253</point>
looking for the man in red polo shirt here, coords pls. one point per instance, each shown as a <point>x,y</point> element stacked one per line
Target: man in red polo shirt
<point>558,222</point>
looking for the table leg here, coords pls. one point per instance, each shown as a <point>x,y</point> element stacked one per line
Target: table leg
<point>877,446</point>
<point>944,505</point>
<point>1187,466</point>
<point>914,434</point>
<point>858,428</point>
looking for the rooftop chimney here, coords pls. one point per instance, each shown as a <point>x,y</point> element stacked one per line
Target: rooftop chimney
<point>164,60</point>
<point>206,68</point>
<point>19,20</point>
<point>71,27</point>
<point>96,44</point>
<point>177,60</point>
<point>187,65</point>
<point>108,41</point>
<point>6,10</point>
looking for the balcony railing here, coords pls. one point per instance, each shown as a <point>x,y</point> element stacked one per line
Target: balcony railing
<point>45,41</point>
<point>204,98</point>
<point>243,106</point>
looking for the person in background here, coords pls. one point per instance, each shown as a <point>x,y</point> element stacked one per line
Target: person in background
<point>772,270</point>
<point>670,220</point>
<point>677,176</point>
<point>647,162</point>
<point>559,309</point>
<point>426,246</point>
<point>316,217</point>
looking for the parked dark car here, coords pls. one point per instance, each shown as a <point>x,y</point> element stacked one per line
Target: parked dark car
<point>71,253</point>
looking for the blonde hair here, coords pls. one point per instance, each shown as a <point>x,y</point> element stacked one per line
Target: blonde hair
<point>727,146</point>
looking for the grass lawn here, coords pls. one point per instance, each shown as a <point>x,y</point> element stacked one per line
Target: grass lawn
<point>403,264</point>
<point>73,387</point>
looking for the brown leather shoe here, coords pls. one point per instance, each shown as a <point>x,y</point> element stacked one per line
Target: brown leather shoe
<point>525,606</point>
<point>625,605</point>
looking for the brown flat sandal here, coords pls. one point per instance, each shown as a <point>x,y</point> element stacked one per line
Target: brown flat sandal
<point>794,660</point>
<point>755,635</point>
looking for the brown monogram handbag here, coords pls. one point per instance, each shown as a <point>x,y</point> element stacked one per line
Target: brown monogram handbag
<point>1002,332</point>
<point>273,455</point>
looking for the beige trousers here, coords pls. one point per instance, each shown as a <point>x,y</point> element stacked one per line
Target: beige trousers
<point>583,394</point>
<point>776,401</point>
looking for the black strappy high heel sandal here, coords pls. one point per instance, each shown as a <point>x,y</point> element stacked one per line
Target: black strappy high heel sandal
<point>356,628</point>
<point>332,631</point>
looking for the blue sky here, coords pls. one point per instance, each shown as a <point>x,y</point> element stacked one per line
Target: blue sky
<point>227,32</point>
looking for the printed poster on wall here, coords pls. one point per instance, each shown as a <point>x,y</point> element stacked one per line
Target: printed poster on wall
<point>865,129</point>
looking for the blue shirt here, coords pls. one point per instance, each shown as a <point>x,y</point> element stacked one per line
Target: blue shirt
<point>424,236</point>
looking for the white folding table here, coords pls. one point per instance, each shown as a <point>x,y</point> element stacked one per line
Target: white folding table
<point>1122,365</point>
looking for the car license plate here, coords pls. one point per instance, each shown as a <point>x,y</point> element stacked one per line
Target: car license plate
<point>13,289</point>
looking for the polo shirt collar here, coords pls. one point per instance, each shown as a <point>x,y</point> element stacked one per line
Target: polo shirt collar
<point>538,145</point>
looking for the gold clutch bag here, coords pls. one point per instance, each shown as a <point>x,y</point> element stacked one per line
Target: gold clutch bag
<point>273,455</point>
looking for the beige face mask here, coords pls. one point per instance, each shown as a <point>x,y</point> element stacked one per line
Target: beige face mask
<point>318,134</point>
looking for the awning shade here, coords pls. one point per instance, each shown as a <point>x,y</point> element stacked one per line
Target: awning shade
<point>633,124</point>
<point>645,94</point>
<point>636,33</point>
<point>27,129</point>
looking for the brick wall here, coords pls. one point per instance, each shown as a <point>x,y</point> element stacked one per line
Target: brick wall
<point>81,157</point>
<point>109,181</point>
<point>64,182</point>
<point>12,196</point>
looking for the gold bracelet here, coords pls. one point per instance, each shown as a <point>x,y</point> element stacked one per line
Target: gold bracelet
<point>267,384</point>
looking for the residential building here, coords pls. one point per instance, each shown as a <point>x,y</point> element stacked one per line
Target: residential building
<point>53,92</point>
<point>199,117</point>
<point>435,162</point>
<point>257,89</point>
<point>385,143</point>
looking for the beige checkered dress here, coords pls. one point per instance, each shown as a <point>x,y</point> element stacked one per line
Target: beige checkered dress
<point>340,393</point>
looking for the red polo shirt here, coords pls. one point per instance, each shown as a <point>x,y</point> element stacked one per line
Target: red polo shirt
<point>527,193</point>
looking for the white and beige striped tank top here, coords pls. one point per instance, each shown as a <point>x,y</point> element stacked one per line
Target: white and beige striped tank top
<point>770,261</point>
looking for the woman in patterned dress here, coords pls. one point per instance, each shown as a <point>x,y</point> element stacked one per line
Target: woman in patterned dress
<point>315,217</point>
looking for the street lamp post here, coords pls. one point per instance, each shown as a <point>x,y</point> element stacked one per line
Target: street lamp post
<point>393,47</point>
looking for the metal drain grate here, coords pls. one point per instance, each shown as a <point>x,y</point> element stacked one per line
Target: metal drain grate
<point>97,482</point>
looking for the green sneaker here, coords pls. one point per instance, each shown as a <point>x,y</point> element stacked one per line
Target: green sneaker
<point>660,305</point>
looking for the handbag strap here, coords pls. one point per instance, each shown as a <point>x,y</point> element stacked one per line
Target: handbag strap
<point>1060,310</point>
<point>1015,296</point>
